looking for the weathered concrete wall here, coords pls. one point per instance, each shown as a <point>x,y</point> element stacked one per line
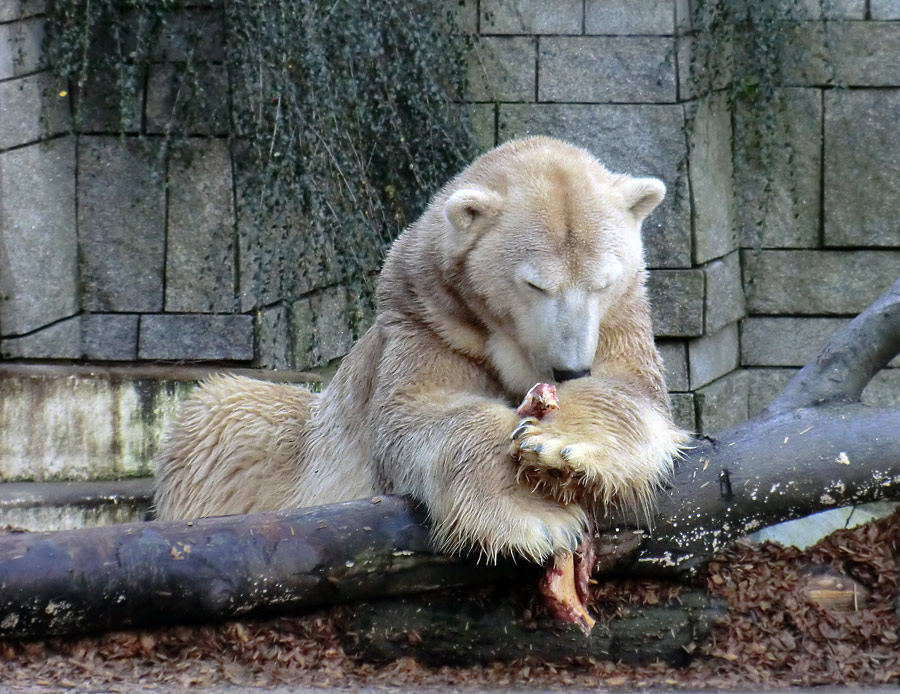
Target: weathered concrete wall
<point>754,247</point>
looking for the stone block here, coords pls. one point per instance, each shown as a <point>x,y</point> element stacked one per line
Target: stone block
<point>101,108</point>
<point>31,108</point>
<point>675,363</point>
<point>483,124</point>
<point>121,225</point>
<point>845,54</point>
<point>109,337</point>
<point>17,9</point>
<point>763,384</point>
<point>38,237</point>
<point>713,356</point>
<point>883,390</point>
<point>20,47</point>
<point>722,403</point>
<point>642,140</point>
<point>676,302</point>
<point>630,17</point>
<point>273,338</point>
<point>607,69</point>
<point>884,9</point>
<point>200,242</point>
<point>778,170</point>
<point>705,63</point>
<point>683,411</point>
<point>724,293</point>
<point>502,68</point>
<point>530,17</point>
<point>61,340</point>
<point>197,34</point>
<point>181,336</point>
<point>862,166</point>
<point>170,92</point>
<point>785,341</point>
<point>321,327</point>
<point>712,191</point>
<point>826,283</point>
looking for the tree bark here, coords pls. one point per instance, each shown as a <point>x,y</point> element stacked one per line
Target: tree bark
<point>784,464</point>
<point>454,629</point>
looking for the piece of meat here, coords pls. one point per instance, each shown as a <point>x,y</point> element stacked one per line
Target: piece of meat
<point>560,590</point>
<point>539,401</point>
<point>564,585</point>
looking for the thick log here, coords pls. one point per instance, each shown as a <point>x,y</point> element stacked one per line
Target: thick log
<point>454,629</point>
<point>139,574</point>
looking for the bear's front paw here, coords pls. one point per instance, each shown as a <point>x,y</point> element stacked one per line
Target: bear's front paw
<point>549,462</point>
<point>587,469</point>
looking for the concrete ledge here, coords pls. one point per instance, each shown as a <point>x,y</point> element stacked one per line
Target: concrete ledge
<point>43,506</point>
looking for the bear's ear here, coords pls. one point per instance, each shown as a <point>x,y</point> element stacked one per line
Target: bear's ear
<point>469,209</point>
<point>642,195</point>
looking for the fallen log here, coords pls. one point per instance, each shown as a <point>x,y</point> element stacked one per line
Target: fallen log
<point>815,448</point>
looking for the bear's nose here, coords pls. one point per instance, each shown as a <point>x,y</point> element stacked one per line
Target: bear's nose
<point>561,375</point>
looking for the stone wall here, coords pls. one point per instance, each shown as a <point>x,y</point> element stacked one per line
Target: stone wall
<point>756,255</point>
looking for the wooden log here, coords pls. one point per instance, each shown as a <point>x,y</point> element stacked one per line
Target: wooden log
<point>454,629</point>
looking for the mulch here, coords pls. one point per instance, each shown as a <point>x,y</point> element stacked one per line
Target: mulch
<point>774,636</point>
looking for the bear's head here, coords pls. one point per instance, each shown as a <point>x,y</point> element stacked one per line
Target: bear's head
<point>544,244</point>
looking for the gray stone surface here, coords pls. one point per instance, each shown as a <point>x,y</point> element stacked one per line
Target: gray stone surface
<point>607,69</point>
<point>530,17</point>
<point>778,169</point>
<point>676,302</point>
<point>121,225</point>
<point>675,363</point>
<point>200,241</point>
<point>320,328</point>
<point>713,356</point>
<point>704,64</point>
<point>502,68</point>
<point>683,411</point>
<point>785,341</point>
<point>722,403</point>
<point>31,108</point>
<point>712,191</point>
<point>16,9</point>
<point>192,34</point>
<point>273,338</point>
<point>20,47</point>
<point>483,124</point>
<point>862,167</point>
<point>642,140</point>
<point>883,390</point>
<point>845,54</point>
<point>763,384</point>
<point>817,282</point>
<point>102,109</point>
<point>61,340</point>
<point>38,242</point>
<point>179,337</point>
<point>884,9</point>
<point>629,17</point>
<point>724,293</point>
<point>168,96</point>
<point>109,337</point>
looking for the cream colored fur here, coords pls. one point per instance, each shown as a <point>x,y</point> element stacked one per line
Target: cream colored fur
<point>530,260</point>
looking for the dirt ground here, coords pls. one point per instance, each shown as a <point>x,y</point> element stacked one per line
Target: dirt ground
<point>774,636</point>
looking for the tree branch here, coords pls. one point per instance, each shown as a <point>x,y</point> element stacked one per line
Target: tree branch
<point>852,357</point>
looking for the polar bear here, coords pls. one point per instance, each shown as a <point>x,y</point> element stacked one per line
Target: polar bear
<point>527,267</point>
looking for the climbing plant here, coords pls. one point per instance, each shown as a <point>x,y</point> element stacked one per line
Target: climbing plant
<point>342,117</point>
